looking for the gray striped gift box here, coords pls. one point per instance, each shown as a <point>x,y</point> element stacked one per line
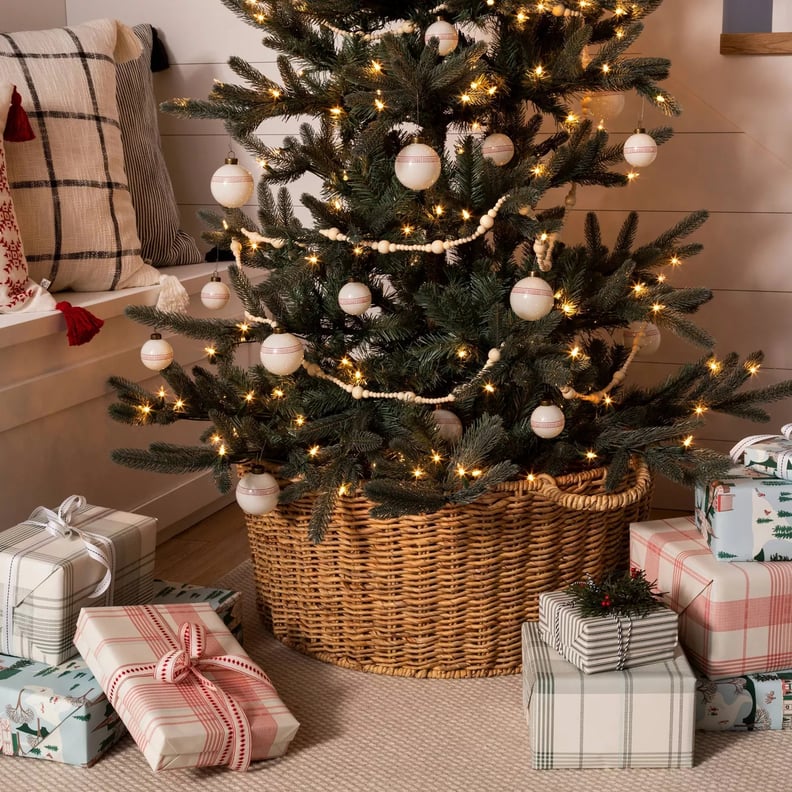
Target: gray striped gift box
<point>603,643</point>
<point>46,579</point>
<point>640,717</point>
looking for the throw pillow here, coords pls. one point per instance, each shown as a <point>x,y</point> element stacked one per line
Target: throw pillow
<point>18,293</point>
<point>163,243</point>
<point>70,191</point>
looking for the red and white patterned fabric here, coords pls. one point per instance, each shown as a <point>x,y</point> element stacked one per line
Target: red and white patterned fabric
<point>17,291</point>
<point>186,690</point>
<point>734,618</point>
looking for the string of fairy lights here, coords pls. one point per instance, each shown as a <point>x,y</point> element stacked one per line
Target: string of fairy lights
<point>417,167</point>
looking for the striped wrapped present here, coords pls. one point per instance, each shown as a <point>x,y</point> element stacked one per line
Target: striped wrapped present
<point>605,643</point>
<point>184,687</point>
<point>640,717</point>
<point>733,618</point>
<point>61,560</point>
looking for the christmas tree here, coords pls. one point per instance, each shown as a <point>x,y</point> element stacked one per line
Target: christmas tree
<point>433,333</point>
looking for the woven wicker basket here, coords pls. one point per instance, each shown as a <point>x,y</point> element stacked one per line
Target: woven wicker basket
<point>444,594</point>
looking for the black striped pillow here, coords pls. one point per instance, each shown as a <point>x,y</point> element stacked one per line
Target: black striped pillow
<point>163,243</point>
<point>70,191</point>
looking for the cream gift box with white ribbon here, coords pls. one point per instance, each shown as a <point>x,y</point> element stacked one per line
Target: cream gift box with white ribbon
<point>60,560</point>
<point>185,689</point>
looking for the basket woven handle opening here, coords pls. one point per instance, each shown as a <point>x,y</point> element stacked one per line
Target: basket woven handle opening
<point>548,487</point>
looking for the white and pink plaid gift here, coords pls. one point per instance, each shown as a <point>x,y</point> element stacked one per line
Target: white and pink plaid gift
<point>186,690</point>
<point>734,618</point>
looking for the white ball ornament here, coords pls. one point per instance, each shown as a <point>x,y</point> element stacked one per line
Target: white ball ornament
<point>497,148</point>
<point>354,298</point>
<point>281,353</point>
<point>231,184</point>
<point>215,294</point>
<point>650,340</point>
<point>547,421</point>
<point>531,298</point>
<point>156,354</point>
<point>449,427</point>
<point>640,149</point>
<point>446,34</point>
<point>418,166</point>
<point>257,493</point>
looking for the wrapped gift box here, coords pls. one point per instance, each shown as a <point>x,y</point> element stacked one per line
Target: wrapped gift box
<point>138,654</point>
<point>49,570</point>
<point>602,643</point>
<point>754,702</point>
<point>639,717</point>
<point>767,454</point>
<point>226,604</point>
<point>54,712</point>
<point>746,516</point>
<point>735,618</point>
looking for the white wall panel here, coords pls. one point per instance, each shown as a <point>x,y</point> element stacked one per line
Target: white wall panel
<point>731,155</point>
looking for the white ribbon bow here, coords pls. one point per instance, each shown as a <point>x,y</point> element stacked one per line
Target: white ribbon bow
<point>57,524</point>
<point>784,457</point>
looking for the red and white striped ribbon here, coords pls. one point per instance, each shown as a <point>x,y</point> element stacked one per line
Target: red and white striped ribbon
<point>184,664</point>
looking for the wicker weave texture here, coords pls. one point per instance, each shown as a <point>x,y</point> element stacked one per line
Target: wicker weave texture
<point>439,595</point>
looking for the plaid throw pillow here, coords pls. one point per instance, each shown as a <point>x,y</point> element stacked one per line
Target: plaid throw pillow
<point>70,191</point>
<point>163,243</point>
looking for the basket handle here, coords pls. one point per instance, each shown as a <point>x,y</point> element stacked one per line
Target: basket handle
<point>547,486</point>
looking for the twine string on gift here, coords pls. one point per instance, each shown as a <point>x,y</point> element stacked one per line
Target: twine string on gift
<point>623,646</point>
<point>184,664</point>
<point>57,523</point>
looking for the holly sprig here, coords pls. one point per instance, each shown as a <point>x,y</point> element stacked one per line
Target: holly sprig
<point>627,594</point>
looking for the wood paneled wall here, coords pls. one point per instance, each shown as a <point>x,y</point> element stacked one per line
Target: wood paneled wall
<point>731,155</point>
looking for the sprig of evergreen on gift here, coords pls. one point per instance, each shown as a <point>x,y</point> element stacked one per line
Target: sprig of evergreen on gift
<point>441,263</point>
<point>625,594</point>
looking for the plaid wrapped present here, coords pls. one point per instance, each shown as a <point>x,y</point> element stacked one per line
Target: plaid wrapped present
<point>56,562</point>
<point>640,717</point>
<point>746,516</point>
<point>54,712</point>
<point>754,702</point>
<point>769,454</point>
<point>226,604</point>
<point>605,643</point>
<point>183,685</point>
<point>733,618</point>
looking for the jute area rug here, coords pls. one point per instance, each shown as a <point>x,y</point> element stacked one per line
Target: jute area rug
<point>369,733</point>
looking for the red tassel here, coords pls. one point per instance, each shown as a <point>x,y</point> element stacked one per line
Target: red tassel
<point>81,325</point>
<point>17,128</point>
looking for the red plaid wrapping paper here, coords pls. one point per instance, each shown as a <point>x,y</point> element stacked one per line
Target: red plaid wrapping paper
<point>734,618</point>
<point>179,724</point>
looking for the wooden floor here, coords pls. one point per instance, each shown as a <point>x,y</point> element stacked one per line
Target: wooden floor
<point>205,552</point>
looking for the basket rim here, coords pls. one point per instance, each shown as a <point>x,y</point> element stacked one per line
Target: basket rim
<point>552,487</point>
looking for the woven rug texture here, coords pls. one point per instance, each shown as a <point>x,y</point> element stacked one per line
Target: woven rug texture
<point>369,733</point>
